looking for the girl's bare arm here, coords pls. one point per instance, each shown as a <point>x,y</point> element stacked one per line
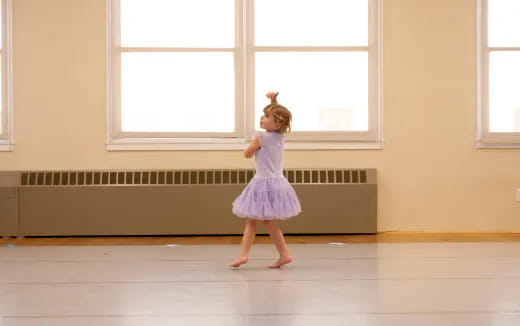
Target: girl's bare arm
<point>252,148</point>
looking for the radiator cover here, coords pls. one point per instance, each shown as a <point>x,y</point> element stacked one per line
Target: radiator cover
<point>176,202</point>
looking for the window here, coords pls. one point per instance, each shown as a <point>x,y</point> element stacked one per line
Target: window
<point>499,75</point>
<point>6,141</point>
<point>194,74</point>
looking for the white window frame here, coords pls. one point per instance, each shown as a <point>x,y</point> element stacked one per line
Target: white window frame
<point>244,70</point>
<point>486,138</point>
<point>6,136</point>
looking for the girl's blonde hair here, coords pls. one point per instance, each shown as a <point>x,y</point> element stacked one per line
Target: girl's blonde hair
<point>280,115</point>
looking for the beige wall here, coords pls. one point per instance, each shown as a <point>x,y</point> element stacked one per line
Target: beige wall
<point>431,176</point>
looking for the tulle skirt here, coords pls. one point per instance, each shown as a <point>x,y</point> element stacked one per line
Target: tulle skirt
<point>267,199</point>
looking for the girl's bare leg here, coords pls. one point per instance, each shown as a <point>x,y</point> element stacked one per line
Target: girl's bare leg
<point>247,242</point>
<point>279,241</point>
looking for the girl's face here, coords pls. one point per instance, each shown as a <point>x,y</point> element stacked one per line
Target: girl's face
<point>267,122</point>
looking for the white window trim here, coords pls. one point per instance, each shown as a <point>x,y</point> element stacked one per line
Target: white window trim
<point>117,140</point>
<point>7,136</point>
<point>485,138</point>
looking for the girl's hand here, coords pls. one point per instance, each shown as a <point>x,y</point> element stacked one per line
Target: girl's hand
<point>272,95</point>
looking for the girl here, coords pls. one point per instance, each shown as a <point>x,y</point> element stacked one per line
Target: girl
<point>268,196</point>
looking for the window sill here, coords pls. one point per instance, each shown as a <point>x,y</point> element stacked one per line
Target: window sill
<point>482,145</point>
<point>234,145</point>
<point>6,147</point>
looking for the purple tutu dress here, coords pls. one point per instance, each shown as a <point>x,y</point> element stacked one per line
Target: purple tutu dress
<point>268,195</point>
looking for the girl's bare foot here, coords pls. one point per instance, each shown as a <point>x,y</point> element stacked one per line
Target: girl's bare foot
<point>238,262</point>
<point>282,261</point>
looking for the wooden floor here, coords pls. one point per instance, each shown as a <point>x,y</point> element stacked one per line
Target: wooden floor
<point>386,237</point>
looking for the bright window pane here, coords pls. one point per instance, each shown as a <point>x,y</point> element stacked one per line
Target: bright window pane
<point>504,94</point>
<point>325,91</point>
<point>177,23</point>
<point>178,92</point>
<point>504,23</point>
<point>311,22</point>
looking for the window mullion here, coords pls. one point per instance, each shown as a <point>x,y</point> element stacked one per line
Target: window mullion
<point>249,69</point>
<point>239,59</point>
